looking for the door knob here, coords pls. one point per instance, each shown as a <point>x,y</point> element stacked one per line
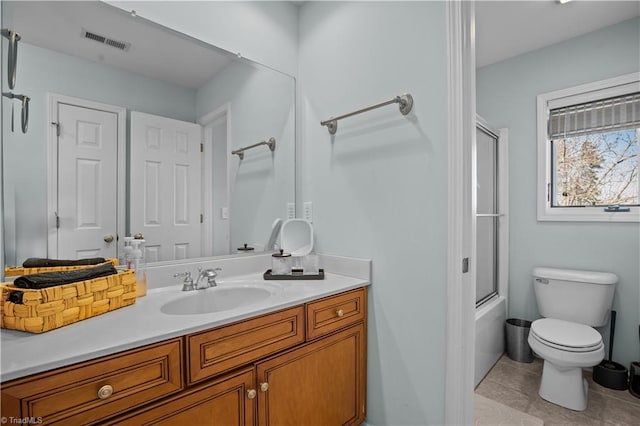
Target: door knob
<point>108,238</point>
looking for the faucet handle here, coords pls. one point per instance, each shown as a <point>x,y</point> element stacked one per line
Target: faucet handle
<point>187,283</point>
<point>186,274</point>
<point>211,274</point>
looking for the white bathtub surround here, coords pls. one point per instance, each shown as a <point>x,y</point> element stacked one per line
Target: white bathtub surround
<point>490,320</point>
<point>144,323</point>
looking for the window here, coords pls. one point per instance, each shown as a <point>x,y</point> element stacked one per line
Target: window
<point>588,152</point>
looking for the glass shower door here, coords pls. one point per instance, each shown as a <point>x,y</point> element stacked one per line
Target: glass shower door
<point>487,214</point>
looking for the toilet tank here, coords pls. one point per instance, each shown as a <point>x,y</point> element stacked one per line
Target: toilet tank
<point>584,297</point>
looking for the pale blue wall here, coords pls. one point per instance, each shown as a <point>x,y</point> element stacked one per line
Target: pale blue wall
<point>506,97</point>
<point>379,186</point>
<point>265,32</point>
<point>262,105</point>
<point>42,71</point>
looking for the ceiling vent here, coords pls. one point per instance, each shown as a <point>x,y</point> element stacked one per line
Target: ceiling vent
<point>121,45</point>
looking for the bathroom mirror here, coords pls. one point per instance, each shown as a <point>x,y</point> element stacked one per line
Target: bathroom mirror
<point>154,88</point>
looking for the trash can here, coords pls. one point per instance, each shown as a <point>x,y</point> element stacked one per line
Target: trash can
<point>517,333</point>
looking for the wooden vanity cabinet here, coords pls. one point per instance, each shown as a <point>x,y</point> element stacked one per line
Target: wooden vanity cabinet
<point>304,365</point>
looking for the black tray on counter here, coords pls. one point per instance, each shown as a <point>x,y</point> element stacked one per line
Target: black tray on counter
<point>319,276</point>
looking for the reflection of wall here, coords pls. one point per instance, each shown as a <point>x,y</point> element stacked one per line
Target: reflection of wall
<point>265,31</point>
<point>379,186</point>
<point>41,71</point>
<point>506,97</point>
<point>261,184</point>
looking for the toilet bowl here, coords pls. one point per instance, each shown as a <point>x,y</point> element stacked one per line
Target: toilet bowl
<point>571,302</point>
<point>566,348</point>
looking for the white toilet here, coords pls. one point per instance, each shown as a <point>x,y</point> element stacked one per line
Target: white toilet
<point>571,302</point>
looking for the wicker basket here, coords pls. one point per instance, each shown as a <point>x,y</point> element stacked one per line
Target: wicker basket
<point>49,308</point>
<point>16,271</point>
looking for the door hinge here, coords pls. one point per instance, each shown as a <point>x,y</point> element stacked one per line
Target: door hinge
<point>201,218</point>
<point>201,147</point>
<point>57,128</point>
<point>465,265</point>
<point>548,192</point>
<point>57,220</point>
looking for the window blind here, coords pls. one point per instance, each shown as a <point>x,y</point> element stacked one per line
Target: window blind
<point>612,114</point>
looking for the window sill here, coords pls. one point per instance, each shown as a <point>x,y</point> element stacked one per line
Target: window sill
<point>587,214</point>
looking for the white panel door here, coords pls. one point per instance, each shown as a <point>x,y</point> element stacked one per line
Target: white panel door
<point>165,200</point>
<point>87,182</point>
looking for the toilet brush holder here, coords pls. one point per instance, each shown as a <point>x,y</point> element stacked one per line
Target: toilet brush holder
<point>634,379</point>
<point>608,373</point>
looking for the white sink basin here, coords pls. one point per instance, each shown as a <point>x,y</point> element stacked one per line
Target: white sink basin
<point>218,299</point>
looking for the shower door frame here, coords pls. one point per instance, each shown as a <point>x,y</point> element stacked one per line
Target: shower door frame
<point>502,207</point>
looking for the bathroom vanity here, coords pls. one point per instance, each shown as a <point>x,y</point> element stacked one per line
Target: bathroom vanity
<point>298,359</point>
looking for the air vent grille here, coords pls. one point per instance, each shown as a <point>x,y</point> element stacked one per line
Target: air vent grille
<point>122,45</point>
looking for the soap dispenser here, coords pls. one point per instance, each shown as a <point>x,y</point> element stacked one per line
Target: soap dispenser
<point>138,263</point>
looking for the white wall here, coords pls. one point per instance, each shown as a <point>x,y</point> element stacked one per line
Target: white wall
<point>265,32</point>
<point>506,97</point>
<point>379,186</point>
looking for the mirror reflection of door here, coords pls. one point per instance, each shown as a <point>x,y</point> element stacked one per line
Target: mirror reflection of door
<point>165,199</point>
<point>84,179</point>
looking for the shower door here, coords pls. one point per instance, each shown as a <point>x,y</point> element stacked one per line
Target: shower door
<point>488,214</point>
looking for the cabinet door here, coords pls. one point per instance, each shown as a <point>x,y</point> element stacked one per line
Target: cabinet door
<point>227,401</point>
<point>321,383</point>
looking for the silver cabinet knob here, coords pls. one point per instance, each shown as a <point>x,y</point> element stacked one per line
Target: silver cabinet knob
<point>108,238</point>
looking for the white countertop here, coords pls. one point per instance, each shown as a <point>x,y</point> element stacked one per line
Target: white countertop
<point>143,323</point>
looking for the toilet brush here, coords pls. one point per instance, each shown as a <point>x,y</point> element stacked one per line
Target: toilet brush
<point>608,373</point>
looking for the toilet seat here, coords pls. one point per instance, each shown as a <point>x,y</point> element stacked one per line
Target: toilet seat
<point>566,335</point>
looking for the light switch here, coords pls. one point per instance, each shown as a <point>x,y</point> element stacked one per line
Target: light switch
<point>224,213</point>
<point>291,210</point>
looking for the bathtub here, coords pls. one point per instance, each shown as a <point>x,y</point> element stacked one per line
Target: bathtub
<point>490,318</point>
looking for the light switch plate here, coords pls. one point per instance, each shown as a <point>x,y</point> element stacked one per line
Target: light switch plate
<point>291,210</point>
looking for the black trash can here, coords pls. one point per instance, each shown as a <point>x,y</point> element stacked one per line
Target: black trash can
<point>517,333</point>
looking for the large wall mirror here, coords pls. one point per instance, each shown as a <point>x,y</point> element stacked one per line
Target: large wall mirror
<point>131,130</point>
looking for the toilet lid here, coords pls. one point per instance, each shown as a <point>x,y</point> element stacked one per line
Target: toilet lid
<point>566,334</point>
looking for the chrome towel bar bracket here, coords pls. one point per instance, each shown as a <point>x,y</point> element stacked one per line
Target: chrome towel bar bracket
<point>405,104</point>
<point>271,143</point>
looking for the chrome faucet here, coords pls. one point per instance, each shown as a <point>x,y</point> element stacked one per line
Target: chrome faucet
<point>210,274</point>
<point>187,283</point>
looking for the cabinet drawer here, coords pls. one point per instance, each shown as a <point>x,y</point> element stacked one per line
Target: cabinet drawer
<point>335,312</point>
<point>70,395</point>
<point>222,349</point>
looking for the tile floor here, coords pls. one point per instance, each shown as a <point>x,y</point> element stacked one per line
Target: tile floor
<point>487,412</point>
<point>516,384</point>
